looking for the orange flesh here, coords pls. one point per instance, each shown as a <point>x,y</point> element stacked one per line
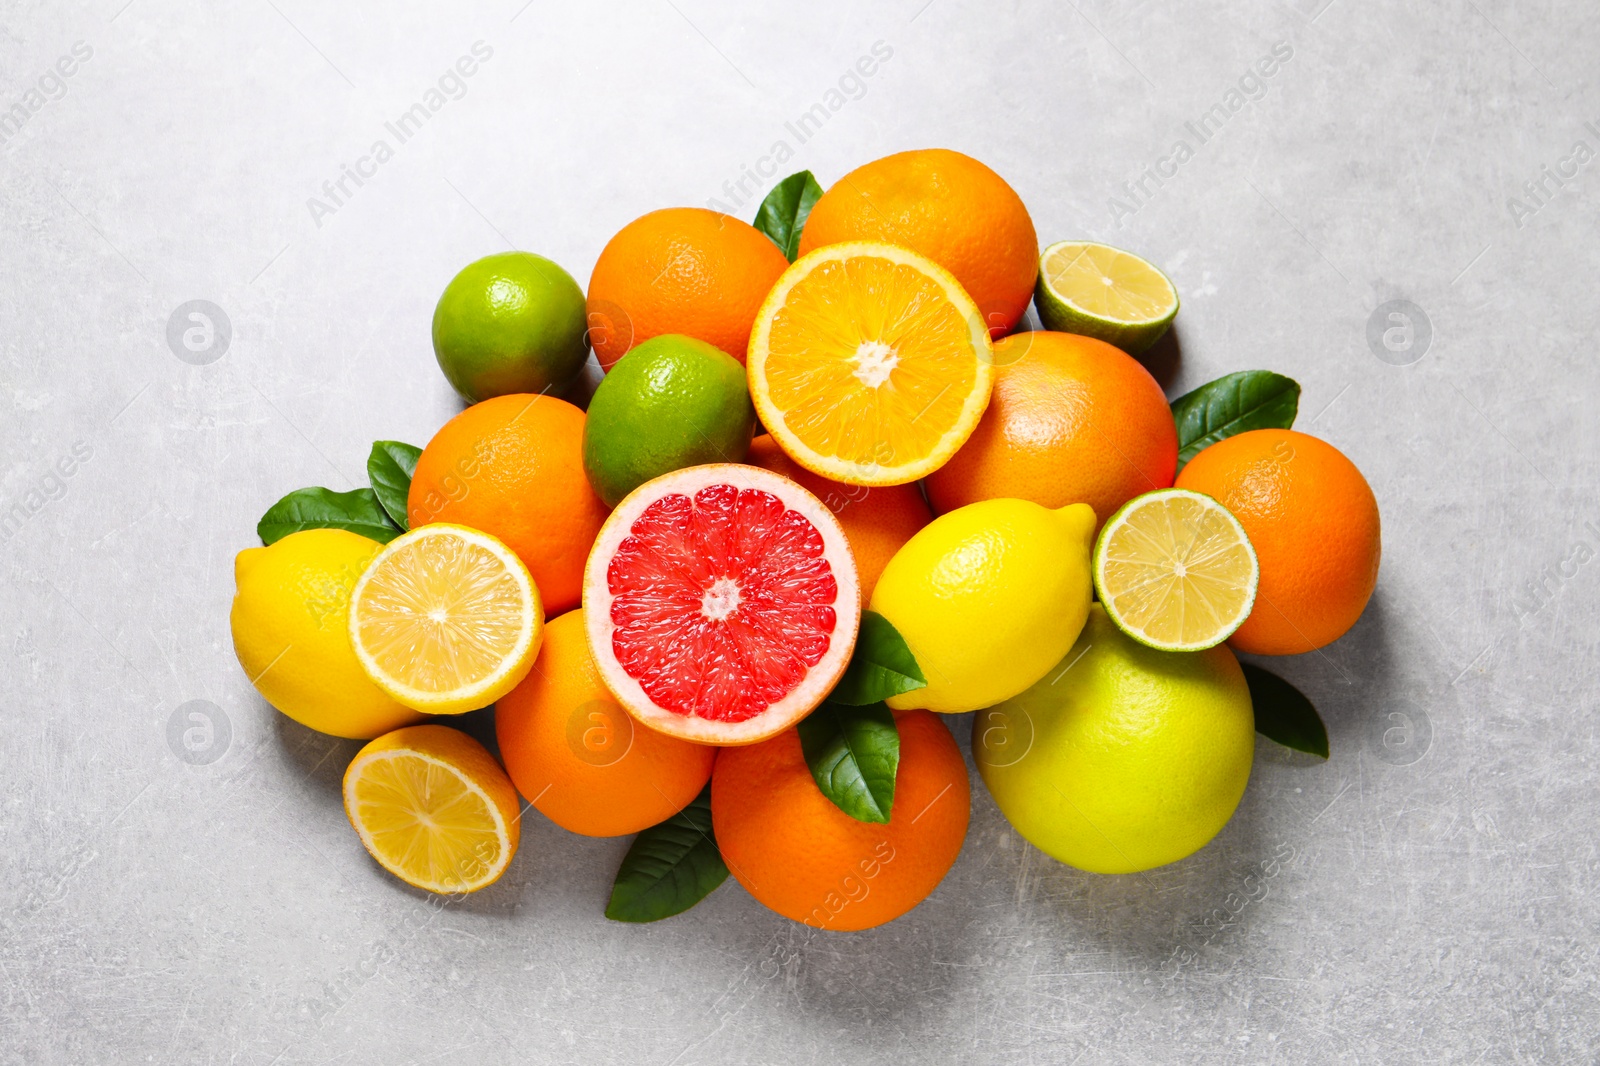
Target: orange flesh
<point>870,362</point>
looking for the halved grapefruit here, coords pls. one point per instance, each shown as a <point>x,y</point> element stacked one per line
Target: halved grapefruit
<point>721,602</point>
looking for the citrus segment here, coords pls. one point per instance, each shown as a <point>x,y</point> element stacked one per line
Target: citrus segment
<point>433,808</point>
<point>868,364</point>
<point>1175,570</point>
<point>1104,292</point>
<point>446,619</point>
<point>721,603</point>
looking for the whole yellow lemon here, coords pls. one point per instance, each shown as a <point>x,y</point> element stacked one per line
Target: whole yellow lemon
<point>988,598</point>
<point>291,632</point>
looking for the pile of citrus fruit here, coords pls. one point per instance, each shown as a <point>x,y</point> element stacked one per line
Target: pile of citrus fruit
<point>825,494</point>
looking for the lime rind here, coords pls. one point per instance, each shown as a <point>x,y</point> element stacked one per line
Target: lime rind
<point>1132,543</point>
<point>1133,334</point>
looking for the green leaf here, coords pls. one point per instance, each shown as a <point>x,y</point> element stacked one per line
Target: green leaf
<point>881,666</point>
<point>357,510</point>
<point>1249,399</point>
<point>1284,714</point>
<point>853,753</point>
<point>782,215</point>
<point>389,468</point>
<point>670,867</point>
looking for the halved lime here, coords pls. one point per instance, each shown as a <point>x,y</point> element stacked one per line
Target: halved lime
<point>1100,291</point>
<point>1175,570</point>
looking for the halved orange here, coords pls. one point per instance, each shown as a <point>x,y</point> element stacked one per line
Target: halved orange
<point>869,364</point>
<point>434,808</point>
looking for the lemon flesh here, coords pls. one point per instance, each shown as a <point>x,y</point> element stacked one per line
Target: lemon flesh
<point>1175,570</point>
<point>988,597</point>
<point>433,808</point>
<point>446,619</point>
<point>1123,757</point>
<point>1100,291</point>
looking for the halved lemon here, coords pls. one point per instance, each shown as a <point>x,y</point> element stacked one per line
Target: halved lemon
<point>1175,570</point>
<point>869,364</point>
<point>434,808</point>
<point>1100,291</point>
<point>446,619</point>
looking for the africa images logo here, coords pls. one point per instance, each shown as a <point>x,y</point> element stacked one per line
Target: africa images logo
<point>452,85</point>
<point>1250,87</point>
<point>1539,191</point>
<point>47,89</point>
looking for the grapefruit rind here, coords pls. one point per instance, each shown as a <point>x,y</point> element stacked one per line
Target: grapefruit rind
<point>819,680</point>
<point>861,472</point>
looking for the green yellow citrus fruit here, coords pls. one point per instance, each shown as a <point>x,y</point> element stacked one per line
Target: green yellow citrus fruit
<point>671,402</point>
<point>988,597</point>
<point>1122,757</point>
<point>1104,292</point>
<point>291,631</point>
<point>1175,570</point>
<point>512,322</point>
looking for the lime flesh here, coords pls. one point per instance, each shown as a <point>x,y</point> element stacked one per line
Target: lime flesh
<point>1175,570</point>
<point>1099,291</point>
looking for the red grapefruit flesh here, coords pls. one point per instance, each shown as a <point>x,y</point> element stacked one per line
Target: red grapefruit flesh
<point>721,602</point>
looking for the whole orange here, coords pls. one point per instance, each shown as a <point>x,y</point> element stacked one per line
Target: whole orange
<point>876,521</point>
<point>1314,523</point>
<point>579,757</point>
<point>1071,420</point>
<point>947,206</point>
<point>800,855</point>
<point>680,270</point>
<point>512,466</point>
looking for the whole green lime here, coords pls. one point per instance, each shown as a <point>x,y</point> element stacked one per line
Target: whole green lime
<point>512,322</point>
<point>1122,757</point>
<point>671,402</point>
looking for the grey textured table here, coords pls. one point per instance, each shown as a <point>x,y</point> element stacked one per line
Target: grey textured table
<point>1428,894</point>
